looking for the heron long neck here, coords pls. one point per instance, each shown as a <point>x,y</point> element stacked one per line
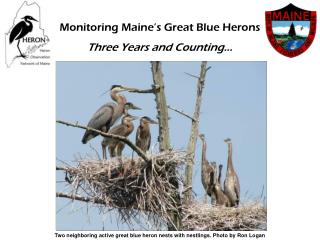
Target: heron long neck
<point>29,24</point>
<point>119,110</point>
<point>230,163</point>
<point>204,153</point>
<point>130,128</point>
<point>120,99</point>
<point>219,177</point>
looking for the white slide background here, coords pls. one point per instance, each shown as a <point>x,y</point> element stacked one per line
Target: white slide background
<point>27,104</point>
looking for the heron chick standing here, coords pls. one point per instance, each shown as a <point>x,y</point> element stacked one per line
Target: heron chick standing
<point>221,198</point>
<point>124,129</point>
<point>207,170</point>
<point>231,183</point>
<point>143,134</point>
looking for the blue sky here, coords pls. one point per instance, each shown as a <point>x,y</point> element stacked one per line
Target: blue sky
<point>282,27</point>
<point>234,105</point>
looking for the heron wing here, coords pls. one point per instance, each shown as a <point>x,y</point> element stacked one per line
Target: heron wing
<point>118,130</point>
<point>149,142</point>
<point>102,117</point>
<point>16,31</point>
<point>237,187</point>
<point>138,140</point>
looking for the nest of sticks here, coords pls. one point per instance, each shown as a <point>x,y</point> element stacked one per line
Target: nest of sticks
<point>129,185</point>
<point>205,217</point>
<point>135,187</point>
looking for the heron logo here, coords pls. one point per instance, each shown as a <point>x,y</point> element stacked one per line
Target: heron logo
<point>291,30</point>
<point>26,36</point>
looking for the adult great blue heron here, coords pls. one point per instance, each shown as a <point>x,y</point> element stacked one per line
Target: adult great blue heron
<point>143,134</point>
<point>207,170</point>
<point>124,129</point>
<point>231,183</point>
<point>107,114</point>
<point>20,30</point>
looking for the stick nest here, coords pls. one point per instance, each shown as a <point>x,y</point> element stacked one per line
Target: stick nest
<point>205,217</point>
<point>130,185</point>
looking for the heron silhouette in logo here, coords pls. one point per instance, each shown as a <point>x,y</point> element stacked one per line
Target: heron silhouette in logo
<point>20,30</point>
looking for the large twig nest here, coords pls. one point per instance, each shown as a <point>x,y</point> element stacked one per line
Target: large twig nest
<point>248,216</point>
<point>128,184</point>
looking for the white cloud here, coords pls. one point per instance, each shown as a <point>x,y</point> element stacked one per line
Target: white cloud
<point>304,32</point>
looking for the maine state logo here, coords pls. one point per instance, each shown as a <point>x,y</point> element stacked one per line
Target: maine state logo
<point>291,30</point>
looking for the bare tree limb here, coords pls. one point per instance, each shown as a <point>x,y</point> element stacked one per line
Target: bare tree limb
<point>191,75</point>
<point>80,198</point>
<point>154,89</point>
<point>194,131</point>
<point>181,112</point>
<point>61,168</point>
<point>117,137</point>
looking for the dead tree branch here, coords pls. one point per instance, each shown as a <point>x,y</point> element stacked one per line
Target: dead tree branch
<point>164,140</point>
<point>80,198</point>
<point>194,132</point>
<point>181,112</point>
<point>117,137</point>
<point>153,89</point>
<point>191,75</point>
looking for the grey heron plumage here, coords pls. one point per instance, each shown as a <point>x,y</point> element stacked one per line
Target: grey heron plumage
<point>220,196</point>
<point>107,114</point>
<point>231,182</point>
<point>207,169</point>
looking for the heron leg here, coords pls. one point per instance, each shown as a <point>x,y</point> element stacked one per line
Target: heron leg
<point>104,151</point>
<point>21,55</point>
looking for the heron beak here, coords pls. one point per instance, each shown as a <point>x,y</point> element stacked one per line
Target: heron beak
<point>135,107</point>
<point>153,121</point>
<point>104,93</point>
<point>129,89</point>
<point>134,118</point>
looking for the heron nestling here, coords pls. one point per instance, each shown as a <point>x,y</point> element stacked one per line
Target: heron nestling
<point>231,183</point>
<point>143,134</point>
<point>124,129</point>
<point>207,170</point>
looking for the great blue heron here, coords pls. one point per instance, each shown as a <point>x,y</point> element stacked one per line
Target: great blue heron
<point>221,198</point>
<point>143,134</point>
<point>20,30</point>
<point>231,183</point>
<point>107,114</point>
<point>207,170</point>
<point>124,129</point>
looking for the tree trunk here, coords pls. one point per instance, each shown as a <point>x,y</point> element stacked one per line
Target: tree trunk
<point>164,138</point>
<point>194,134</point>
<point>162,109</point>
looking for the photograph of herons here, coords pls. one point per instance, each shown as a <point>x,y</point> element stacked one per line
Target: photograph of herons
<point>177,146</point>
